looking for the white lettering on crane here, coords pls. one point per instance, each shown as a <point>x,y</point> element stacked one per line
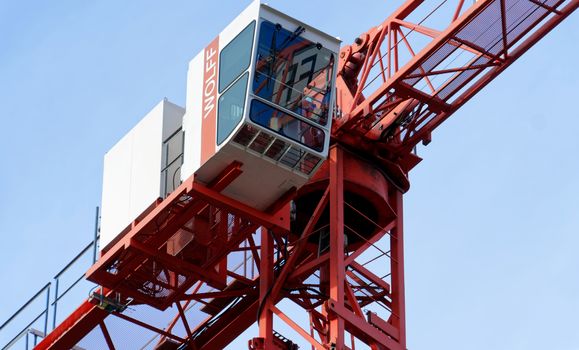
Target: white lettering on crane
<point>209,100</point>
<point>210,82</point>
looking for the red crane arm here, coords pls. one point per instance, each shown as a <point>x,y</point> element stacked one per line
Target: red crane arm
<point>403,78</point>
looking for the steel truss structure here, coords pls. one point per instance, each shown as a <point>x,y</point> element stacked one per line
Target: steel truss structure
<point>338,250</point>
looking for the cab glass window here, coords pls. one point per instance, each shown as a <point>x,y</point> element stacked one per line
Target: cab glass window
<point>235,57</point>
<point>294,72</point>
<point>287,125</point>
<point>230,108</point>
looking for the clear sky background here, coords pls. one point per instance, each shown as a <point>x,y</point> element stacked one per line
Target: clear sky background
<point>492,218</point>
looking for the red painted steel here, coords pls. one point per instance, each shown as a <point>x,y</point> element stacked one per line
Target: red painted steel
<point>336,268</point>
<point>388,97</point>
<point>341,252</point>
<point>69,332</point>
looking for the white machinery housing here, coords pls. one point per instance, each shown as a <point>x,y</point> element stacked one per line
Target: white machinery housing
<point>142,167</point>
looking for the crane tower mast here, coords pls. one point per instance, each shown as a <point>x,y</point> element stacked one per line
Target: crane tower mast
<point>333,249</point>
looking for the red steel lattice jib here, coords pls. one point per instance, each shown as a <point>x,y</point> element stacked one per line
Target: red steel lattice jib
<point>403,78</point>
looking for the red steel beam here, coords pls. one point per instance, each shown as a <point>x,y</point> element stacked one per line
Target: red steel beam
<point>363,112</point>
<point>86,317</point>
<point>398,286</point>
<point>107,335</point>
<point>361,328</point>
<point>148,326</point>
<point>337,266</point>
<point>491,75</point>
<point>265,318</point>
<point>418,60</point>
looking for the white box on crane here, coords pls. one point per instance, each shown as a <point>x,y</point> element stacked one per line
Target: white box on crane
<point>142,167</point>
<point>262,94</point>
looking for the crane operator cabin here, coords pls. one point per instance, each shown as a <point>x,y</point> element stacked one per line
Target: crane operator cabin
<point>262,94</point>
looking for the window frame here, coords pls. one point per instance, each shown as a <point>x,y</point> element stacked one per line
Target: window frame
<point>166,164</point>
<point>287,113</point>
<point>221,89</point>
<point>326,105</point>
<point>219,106</point>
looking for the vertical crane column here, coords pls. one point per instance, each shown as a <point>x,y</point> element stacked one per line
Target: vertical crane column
<point>337,267</point>
<point>397,253</point>
<point>265,282</point>
<point>351,286</point>
<point>345,254</point>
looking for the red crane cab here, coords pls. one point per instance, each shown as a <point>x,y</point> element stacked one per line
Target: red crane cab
<point>261,93</point>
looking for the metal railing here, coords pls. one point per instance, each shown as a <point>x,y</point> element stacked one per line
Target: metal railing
<point>41,315</point>
<point>43,292</point>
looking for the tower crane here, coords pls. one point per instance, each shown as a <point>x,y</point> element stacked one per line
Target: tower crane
<point>217,262</point>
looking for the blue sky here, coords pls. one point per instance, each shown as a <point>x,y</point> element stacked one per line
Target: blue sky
<point>492,218</point>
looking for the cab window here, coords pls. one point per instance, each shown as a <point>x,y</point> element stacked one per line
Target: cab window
<point>230,108</point>
<point>234,59</point>
<point>293,72</point>
<point>287,125</point>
